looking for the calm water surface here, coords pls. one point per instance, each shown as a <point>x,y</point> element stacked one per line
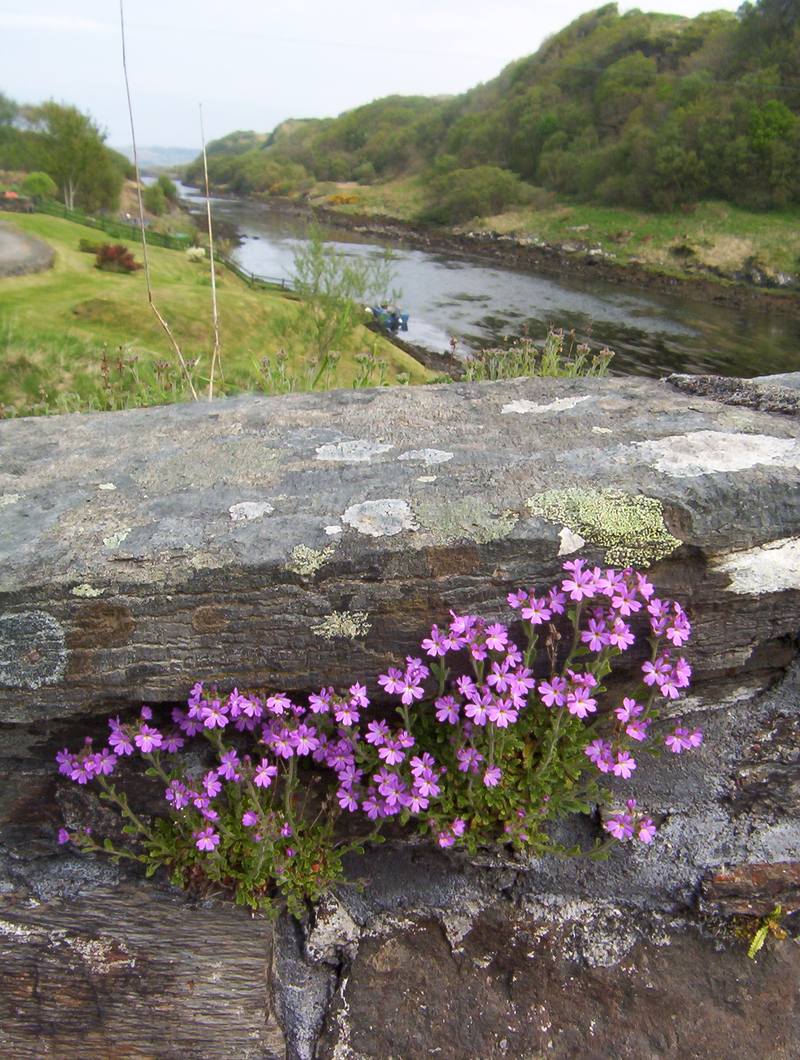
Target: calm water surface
<point>651,333</point>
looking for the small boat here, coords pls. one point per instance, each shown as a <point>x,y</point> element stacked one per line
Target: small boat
<point>390,318</point>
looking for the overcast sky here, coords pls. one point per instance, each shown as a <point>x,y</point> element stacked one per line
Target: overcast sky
<point>253,63</point>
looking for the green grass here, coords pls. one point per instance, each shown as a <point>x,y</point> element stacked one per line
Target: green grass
<point>56,325</point>
<point>719,236</point>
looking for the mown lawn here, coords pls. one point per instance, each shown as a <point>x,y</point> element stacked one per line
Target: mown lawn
<point>75,337</point>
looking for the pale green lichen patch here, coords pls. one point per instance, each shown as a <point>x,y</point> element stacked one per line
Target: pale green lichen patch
<point>349,625</point>
<point>86,591</point>
<point>629,527</point>
<point>115,540</point>
<point>466,519</point>
<point>307,561</point>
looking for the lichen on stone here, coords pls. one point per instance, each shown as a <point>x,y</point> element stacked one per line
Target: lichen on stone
<point>116,539</point>
<point>349,625</point>
<point>86,591</point>
<point>629,527</point>
<point>466,519</point>
<point>307,561</point>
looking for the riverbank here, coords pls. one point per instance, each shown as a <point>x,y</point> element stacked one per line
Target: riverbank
<point>572,258</point>
<point>692,255</point>
<point>75,338</point>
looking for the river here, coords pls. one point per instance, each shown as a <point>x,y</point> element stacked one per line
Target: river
<point>480,304</point>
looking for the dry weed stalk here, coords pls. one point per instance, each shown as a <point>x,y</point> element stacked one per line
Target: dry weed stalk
<point>215,355</point>
<point>153,306</point>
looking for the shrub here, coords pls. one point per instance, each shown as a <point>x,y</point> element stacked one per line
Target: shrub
<point>39,186</point>
<point>114,257</point>
<point>502,731</point>
<point>88,246</point>
<point>463,194</point>
<point>196,254</point>
<point>155,201</point>
<point>560,356</point>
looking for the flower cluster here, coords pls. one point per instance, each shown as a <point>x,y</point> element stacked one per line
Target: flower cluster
<point>498,729</point>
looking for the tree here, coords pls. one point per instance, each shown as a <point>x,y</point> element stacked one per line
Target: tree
<point>39,186</point>
<point>332,285</point>
<point>155,201</point>
<point>78,160</point>
<point>168,187</point>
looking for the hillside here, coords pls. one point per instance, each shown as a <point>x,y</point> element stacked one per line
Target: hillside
<point>74,338</point>
<point>640,110</point>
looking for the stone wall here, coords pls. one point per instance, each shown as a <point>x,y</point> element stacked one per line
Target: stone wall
<point>310,539</point>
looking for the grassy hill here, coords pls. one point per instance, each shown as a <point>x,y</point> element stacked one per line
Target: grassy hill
<point>78,338</point>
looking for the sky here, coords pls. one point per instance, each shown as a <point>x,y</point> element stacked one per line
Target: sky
<point>254,63</point>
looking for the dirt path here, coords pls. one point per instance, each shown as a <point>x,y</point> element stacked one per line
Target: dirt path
<point>21,253</point>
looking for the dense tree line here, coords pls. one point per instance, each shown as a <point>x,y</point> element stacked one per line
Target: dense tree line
<point>637,109</point>
<point>68,146</point>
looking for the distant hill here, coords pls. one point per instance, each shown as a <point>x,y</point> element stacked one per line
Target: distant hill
<point>160,157</point>
<point>635,109</point>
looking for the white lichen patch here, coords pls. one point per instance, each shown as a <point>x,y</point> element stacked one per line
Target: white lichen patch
<point>86,591</point>
<point>428,457</point>
<point>559,405</point>
<point>307,561</point>
<point>106,486</point>
<point>381,518</point>
<point>570,542</point>
<point>602,430</point>
<point>331,530</point>
<point>770,568</point>
<point>7,499</point>
<point>115,540</point>
<point>358,451</point>
<point>426,478</point>
<point>349,625</point>
<point>629,527</point>
<point>710,452</point>
<point>246,511</point>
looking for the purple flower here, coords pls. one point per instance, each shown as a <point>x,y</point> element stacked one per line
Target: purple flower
<point>492,776</point>
<point>66,761</point>
<point>391,753</point>
<point>320,702</point>
<point>629,710</point>
<point>646,831</point>
<point>637,730</point>
<point>286,830</point>
<point>148,739</point>
<point>346,714</point>
<point>304,739</point>
<point>212,715</point>
<point>581,584</point>
<point>249,818</point>
<point>206,839</point>
<point>103,762</point>
<point>264,774</point>
<point>228,763</point>
<point>447,710</point>
<point>445,839</point>
<point>421,764</point>
<point>63,836</point>
<point>624,765</point>
<point>469,760</point>
<point>279,703</point>
<point>497,636</point>
<point>358,695</point>
<point>681,739</point>
<point>346,800</point>
<point>600,752</point>
<point>435,644</point>
<point>502,713</point>
<point>392,682</point>
<point>458,827</point>
<point>580,703</point>
<point>177,794</point>
<point>173,742</point>
<point>553,692</point>
<point>537,612</point>
<point>377,733</point>
<point>212,784</point>
<point>517,599</point>
<point>620,826</point>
